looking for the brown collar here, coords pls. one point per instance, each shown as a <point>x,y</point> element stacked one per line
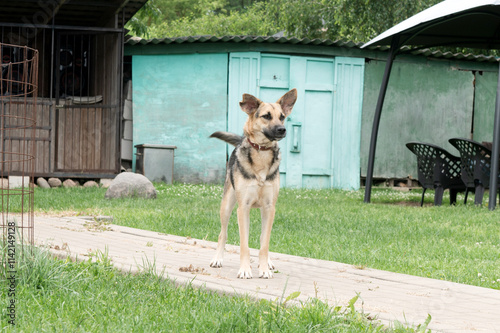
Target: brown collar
<point>258,147</point>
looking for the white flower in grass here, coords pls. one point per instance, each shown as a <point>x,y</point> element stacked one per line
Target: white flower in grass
<point>479,274</point>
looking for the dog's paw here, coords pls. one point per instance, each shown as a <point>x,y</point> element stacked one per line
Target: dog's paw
<point>265,274</point>
<point>245,273</point>
<point>270,265</point>
<point>216,263</point>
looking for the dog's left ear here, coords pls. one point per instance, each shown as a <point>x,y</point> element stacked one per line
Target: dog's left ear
<point>287,101</point>
<point>250,104</point>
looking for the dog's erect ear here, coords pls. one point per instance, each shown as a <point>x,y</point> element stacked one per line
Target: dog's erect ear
<point>287,101</point>
<point>250,104</point>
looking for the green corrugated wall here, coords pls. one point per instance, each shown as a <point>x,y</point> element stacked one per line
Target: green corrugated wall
<point>427,100</point>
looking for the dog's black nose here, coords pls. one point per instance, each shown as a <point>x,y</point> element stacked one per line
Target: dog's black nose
<point>281,130</point>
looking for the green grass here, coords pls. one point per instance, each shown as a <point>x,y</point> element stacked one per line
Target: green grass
<point>454,243</point>
<point>53,295</point>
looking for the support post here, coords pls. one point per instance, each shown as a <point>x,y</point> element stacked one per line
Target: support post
<point>494,150</point>
<point>376,119</point>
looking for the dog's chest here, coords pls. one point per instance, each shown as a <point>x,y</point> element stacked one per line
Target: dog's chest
<point>263,160</point>
<point>258,164</point>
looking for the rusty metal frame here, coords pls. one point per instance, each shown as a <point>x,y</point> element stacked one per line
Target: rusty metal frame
<point>17,216</point>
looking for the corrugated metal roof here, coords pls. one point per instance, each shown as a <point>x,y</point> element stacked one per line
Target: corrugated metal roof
<point>240,39</point>
<point>303,41</point>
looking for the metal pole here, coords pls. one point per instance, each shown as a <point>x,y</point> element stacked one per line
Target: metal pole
<point>495,152</point>
<point>376,118</point>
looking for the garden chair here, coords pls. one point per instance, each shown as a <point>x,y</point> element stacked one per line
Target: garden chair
<point>438,170</point>
<point>475,163</point>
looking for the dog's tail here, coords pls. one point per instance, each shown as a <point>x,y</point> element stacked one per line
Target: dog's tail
<point>231,138</point>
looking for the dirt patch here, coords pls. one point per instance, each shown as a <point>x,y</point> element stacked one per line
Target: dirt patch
<point>193,270</point>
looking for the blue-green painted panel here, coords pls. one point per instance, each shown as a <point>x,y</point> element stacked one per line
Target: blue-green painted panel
<point>324,127</point>
<point>180,100</point>
<point>274,83</point>
<point>317,133</point>
<point>243,79</point>
<point>349,82</point>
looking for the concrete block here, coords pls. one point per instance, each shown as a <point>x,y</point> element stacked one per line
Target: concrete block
<point>19,181</point>
<point>127,130</point>
<point>127,110</point>
<point>127,150</point>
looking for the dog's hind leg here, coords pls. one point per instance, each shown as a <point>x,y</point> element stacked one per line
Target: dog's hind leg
<point>227,205</point>
<point>265,264</point>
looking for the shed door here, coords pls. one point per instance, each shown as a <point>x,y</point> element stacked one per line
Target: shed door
<point>321,149</point>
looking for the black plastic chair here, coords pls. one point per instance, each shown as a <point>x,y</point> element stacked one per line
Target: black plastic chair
<point>438,170</point>
<point>475,163</point>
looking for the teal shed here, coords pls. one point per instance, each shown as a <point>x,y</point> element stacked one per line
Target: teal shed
<point>184,89</point>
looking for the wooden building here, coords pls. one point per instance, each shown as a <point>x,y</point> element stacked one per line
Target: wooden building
<point>80,95</point>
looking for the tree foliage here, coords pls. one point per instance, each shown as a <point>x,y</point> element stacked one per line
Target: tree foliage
<point>356,20</point>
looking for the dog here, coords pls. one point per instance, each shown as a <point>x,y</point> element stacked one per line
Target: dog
<point>252,177</point>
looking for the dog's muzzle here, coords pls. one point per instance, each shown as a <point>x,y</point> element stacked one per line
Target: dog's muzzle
<point>276,133</point>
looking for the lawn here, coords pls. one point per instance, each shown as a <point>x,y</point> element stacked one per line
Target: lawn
<point>53,295</point>
<point>458,243</point>
<point>455,243</point>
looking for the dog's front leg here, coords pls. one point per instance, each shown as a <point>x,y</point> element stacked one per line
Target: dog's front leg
<point>265,264</point>
<point>227,205</point>
<point>243,211</point>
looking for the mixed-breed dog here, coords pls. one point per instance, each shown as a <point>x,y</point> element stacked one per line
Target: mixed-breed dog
<point>252,177</point>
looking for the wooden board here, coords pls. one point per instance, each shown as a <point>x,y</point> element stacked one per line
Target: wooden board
<point>86,139</point>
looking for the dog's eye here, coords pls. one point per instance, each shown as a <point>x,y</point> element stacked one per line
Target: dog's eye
<point>282,117</point>
<point>267,116</point>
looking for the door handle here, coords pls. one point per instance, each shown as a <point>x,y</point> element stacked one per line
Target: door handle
<point>296,137</point>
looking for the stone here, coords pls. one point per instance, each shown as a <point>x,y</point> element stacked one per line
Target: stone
<point>131,185</point>
<point>54,182</point>
<point>18,181</point>
<point>90,183</point>
<point>105,182</point>
<point>42,182</point>
<point>70,183</point>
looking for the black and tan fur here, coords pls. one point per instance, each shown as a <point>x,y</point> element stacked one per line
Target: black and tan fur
<point>252,177</point>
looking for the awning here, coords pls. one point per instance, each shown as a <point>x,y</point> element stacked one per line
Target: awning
<point>460,23</point>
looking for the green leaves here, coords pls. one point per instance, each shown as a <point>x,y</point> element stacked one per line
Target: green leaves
<point>355,20</point>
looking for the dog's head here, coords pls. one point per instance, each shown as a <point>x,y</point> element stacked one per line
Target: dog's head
<point>266,121</point>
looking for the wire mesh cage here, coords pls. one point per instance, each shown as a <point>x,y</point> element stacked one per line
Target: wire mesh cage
<point>18,94</point>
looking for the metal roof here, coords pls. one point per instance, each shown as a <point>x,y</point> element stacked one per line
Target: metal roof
<point>302,41</point>
<point>85,13</point>
<point>464,23</point>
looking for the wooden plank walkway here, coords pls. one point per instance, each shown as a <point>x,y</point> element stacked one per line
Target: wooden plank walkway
<point>388,296</point>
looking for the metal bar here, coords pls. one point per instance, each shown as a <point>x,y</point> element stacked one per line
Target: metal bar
<point>376,119</point>
<point>494,150</point>
<point>76,174</point>
<point>22,138</point>
<point>119,129</point>
<point>60,27</point>
<point>35,127</point>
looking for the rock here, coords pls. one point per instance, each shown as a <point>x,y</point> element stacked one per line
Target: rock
<point>105,182</point>
<point>90,183</point>
<point>70,183</point>
<point>42,182</point>
<point>4,183</point>
<point>54,182</point>
<point>129,184</point>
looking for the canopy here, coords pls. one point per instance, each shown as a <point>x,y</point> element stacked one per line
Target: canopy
<point>461,23</point>
<point>474,24</point>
